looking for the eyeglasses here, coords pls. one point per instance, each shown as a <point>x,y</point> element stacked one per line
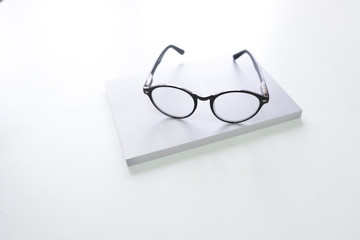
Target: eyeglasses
<point>177,102</point>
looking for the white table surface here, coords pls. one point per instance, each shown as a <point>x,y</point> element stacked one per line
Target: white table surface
<point>62,172</point>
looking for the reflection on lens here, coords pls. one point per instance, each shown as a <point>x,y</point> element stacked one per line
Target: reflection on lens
<point>235,106</point>
<point>172,101</point>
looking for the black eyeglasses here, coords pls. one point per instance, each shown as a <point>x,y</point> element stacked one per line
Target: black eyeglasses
<point>177,102</point>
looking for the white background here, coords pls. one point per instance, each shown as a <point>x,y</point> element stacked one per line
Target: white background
<point>62,173</point>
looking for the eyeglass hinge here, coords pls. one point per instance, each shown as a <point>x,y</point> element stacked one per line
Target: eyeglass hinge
<point>146,90</point>
<point>149,80</point>
<point>264,89</point>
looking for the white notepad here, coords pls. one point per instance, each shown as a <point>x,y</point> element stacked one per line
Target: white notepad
<point>146,134</point>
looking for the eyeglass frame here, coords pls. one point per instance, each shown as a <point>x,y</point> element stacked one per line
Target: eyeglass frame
<point>263,98</point>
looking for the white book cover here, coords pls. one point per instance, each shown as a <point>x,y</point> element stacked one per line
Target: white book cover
<point>146,134</point>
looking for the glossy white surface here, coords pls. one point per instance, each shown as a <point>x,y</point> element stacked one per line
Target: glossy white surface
<point>62,175</point>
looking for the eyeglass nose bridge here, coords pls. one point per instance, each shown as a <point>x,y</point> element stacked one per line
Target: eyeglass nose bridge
<point>203,98</point>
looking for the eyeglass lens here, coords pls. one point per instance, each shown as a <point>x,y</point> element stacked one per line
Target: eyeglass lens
<point>235,106</point>
<point>173,102</point>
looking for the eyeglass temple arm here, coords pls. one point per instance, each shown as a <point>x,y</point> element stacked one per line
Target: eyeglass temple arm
<point>264,89</point>
<point>158,61</point>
